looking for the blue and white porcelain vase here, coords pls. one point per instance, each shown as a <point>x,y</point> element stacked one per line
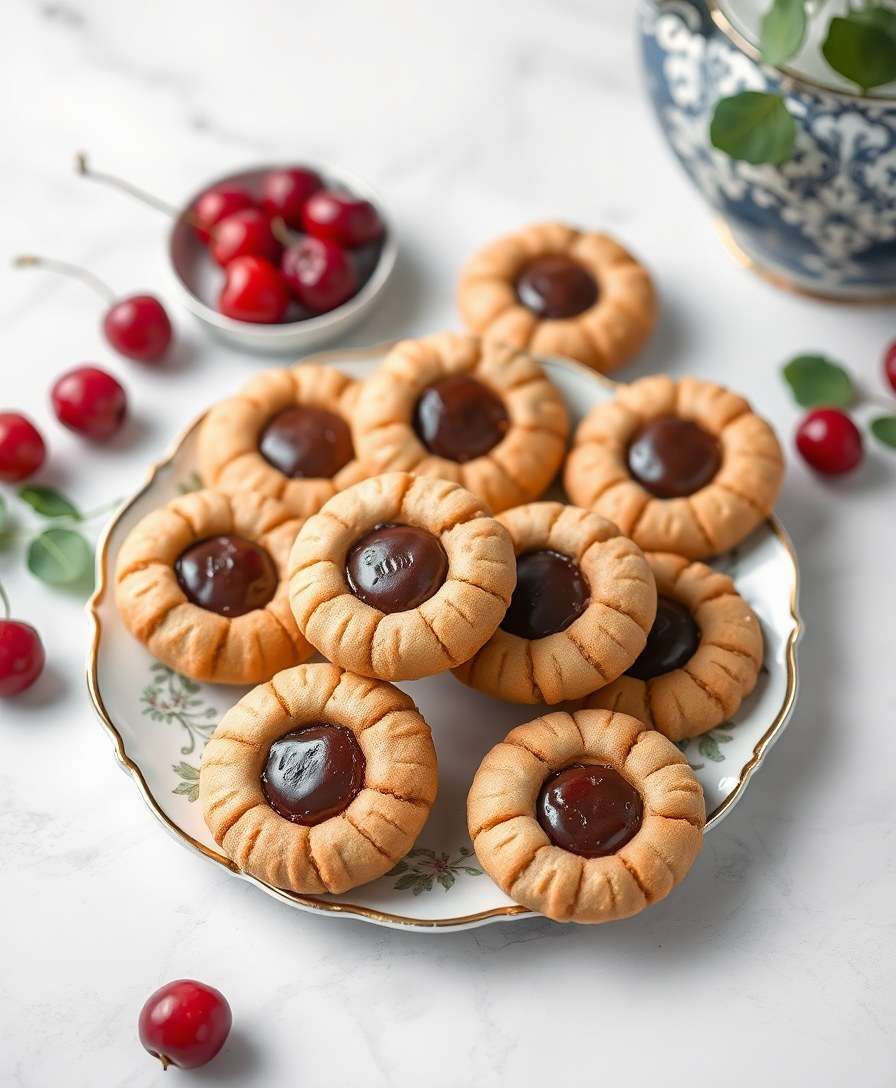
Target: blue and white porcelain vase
<point>822,223</point>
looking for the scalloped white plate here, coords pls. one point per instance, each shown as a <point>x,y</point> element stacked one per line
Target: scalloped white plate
<point>159,722</point>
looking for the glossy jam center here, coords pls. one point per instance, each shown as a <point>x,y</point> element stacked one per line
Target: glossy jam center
<point>589,810</point>
<point>550,593</point>
<point>556,286</point>
<point>313,773</point>
<point>396,567</point>
<point>227,575</point>
<point>307,443</point>
<point>671,643</point>
<point>672,457</point>
<point>460,418</point>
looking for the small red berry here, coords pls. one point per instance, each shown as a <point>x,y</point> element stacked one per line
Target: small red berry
<point>89,401</point>
<point>22,450</point>
<point>253,291</point>
<point>284,192</point>
<point>319,274</point>
<point>216,204</point>
<point>22,656</point>
<point>829,441</point>
<point>185,1023</point>
<point>244,234</point>
<point>341,218</point>
<point>890,365</point>
<point>138,326</point>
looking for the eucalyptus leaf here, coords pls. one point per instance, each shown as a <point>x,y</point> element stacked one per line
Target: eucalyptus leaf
<point>753,126</point>
<point>816,382</point>
<point>782,30</point>
<point>884,430</point>
<point>59,556</point>
<point>48,502</point>
<point>861,49</point>
<point>3,515</point>
<point>882,18</point>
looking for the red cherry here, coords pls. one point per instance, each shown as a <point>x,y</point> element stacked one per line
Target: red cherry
<point>89,401</point>
<point>829,441</point>
<point>253,291</point>
<point>185,1023</point>
<point>284,192</point>
<point>22,450</point>
<point>138,326</point>
<point>244,234</point>
<point>319,274</point>
<point>341,218</point>
<point>890,365</point>
<point>216,204</point>
<point>22,656</point>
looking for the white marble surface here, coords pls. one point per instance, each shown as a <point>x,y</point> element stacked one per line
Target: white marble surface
<point>773,962</point>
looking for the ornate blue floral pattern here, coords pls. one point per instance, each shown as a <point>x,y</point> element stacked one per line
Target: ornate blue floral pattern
<point>826,220</point>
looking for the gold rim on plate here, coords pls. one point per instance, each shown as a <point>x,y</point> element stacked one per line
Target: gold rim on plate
<point>355,910</point>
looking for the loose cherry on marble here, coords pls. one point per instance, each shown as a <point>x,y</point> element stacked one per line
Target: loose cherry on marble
<point>22,656</point>
<point>890,365</point>
<point>341,218</point>
<point>216,204</point>
<point>22,450</point>
<point>253,291</point>
<point>90,402</point>
<point>246,233</point>
<point>284,192</point>
<point>829,441</point>
<point>318,273</point>
<point>185,1023</point>
<point>137,326</point>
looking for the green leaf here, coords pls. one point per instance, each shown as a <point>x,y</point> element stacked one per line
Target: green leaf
<point>817,381</point>
<point>862,49</point>
<point>409,880</point>
<point>470,871</point>
<point>446,879</point>
<point>59,556</point>
<point>48,502</point>
<point>186,770</point>
<point>400,868</point>
<point>882,18</point>
<point>884,430</point>
<point>753,126</point>
<point>3,514</point>
<point>782,30</point>
<point>709,748</point>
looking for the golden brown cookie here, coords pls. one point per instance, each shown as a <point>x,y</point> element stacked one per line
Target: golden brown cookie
<point>586,817</point>
<point>318,780</point>
<point>485,417</point>
<point>401,576</point>
<point>555,290</point>
<point>286,434</point>
<point>702,657</point>
<point>202,582</point>
<point>583,604</point>
<point>680,466</point>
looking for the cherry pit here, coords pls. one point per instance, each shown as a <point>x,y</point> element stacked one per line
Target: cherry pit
<point>292,246</point>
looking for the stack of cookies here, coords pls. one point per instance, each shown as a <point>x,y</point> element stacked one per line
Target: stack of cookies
<point>397,528</point>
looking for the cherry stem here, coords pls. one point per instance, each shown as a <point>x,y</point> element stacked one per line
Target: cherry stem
<point>83,167</point>
<point>4,601</point>
<point>281,231</point>
<point>29,260</point>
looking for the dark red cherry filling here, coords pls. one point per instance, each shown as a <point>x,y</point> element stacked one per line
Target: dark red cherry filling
<point>672,457</point>
<point>313,773</point>
<point>396,567</point>
<point>227,574</point>
<point>460,418</point>
<point>306,442</point>
<point>556,286</point>
<point>589,810</point>
<point>550,593</point>
<point>671,643</point>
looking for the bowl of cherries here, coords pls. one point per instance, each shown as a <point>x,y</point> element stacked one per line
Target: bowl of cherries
<point>281,258</point>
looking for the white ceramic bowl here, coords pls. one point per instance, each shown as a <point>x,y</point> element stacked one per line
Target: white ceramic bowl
<point>198,279</point>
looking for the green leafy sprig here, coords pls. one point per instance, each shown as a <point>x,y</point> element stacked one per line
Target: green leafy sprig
<point>756,126</point>
<point>59,554</point>
<point>819,382</point>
